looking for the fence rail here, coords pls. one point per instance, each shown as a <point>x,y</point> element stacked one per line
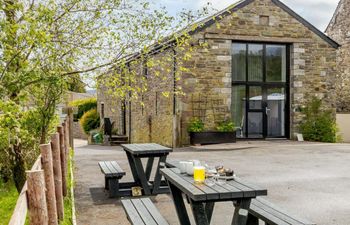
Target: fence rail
<point>43,192</point>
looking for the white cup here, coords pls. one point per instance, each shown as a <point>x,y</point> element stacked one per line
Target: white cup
<point>189,168</point>
<point>196,162</point>
<point>182,166</point>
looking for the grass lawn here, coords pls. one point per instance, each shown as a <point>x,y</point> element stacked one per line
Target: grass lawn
<point>68,201</point>
<point>8,198</point>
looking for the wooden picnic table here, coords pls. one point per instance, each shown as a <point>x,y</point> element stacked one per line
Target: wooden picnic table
<point>141,175</point>
<point>202,197</point>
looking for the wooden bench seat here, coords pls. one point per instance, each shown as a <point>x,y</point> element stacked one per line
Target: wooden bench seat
<point>271,214</point>
<point>113,173</point>
<point>142,211</point>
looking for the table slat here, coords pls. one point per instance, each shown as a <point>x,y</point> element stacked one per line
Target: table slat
<point>258,190</point>
<point>149,148</point>
<point>190,190</point>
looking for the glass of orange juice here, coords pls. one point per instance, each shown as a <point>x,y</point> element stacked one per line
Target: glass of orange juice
<point>199,174</point>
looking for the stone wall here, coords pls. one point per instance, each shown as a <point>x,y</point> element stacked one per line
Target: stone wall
<point>78,131</point>
<point>152,113</point>
<point>112,106</point>
<point>338,29</point>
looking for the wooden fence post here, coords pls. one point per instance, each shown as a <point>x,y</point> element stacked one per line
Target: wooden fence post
<point>63,160</point>
<point>66,144</point>
<point>70,122</point>
<point>46,163</point>
<point>57,171</point>
<point>36,198</point>
<point>67,134</point>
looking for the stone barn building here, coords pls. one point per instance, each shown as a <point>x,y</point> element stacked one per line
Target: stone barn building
<point>261,65</point>
<point>339,30</point>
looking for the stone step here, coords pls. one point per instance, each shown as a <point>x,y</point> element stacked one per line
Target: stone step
<point>117,143</point>
<point>118,138</point>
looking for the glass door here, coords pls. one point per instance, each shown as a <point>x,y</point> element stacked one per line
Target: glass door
<point>260,90</point>
<point>275,111</point>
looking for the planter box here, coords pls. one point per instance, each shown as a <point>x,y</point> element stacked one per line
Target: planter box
<point>212,137</point>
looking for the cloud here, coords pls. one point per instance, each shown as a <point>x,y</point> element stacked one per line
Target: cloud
<point>317,12</point>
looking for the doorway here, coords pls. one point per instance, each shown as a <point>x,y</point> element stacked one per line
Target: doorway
<point>260,89</point>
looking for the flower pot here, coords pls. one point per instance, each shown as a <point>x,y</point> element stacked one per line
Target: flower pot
<point>212,137</point>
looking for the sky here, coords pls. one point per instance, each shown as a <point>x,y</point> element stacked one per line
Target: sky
<point>317,12</point>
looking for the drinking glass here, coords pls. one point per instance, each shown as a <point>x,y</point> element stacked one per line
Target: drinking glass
<point>199,174</point>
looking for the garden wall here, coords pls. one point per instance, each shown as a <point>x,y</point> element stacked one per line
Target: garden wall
<point>343,122</point>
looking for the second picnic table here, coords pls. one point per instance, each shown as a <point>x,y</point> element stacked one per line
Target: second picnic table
<point>141,175</point>
<point>203,197</point>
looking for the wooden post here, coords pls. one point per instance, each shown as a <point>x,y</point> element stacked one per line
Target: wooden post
<point>57,171</point>
<point>36,198</point>
<point>46,163</point>
<point>66,133</point>
<point>66,142</point>
<point>70,125</point>
<point>63,160</point>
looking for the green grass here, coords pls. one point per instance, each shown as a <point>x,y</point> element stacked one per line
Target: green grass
<point>9,196</point>
<point>8,199</point>
<point>68,202</point>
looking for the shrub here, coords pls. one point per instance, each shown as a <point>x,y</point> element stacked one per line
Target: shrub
<point>90,121</point>
<point>318,125</point>
<point>196,125</point>
<point>226,126</point>
<point>83,105</point>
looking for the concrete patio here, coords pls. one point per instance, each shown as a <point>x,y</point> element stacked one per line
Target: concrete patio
<point>309,179</point>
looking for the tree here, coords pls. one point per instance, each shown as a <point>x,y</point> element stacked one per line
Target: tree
<point>75,84</point>
<point>47,44</point>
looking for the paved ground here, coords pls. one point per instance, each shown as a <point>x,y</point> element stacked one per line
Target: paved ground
<point>309,179</point>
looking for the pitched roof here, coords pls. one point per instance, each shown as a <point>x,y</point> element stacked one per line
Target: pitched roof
<point>202,24</point>
<point>233,8</point>
<point>322,35</point>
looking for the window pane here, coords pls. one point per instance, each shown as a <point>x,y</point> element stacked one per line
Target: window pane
<point>255,125</point>
<point>255,62</point>
<point>239,62</point>
<point>238,106</point>
<point>276,63</point>
<point>255,97</point>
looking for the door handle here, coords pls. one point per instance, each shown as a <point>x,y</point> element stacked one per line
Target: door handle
<point>267,110</point>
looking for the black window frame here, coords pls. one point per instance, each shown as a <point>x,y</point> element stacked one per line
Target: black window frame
<point>265,85</point>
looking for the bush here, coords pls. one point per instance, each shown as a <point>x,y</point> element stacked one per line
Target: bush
<point>90,121</point>
<point>83,105</point>
<point>318,125</point>
<point>196,125</point>
<point>226,126</point>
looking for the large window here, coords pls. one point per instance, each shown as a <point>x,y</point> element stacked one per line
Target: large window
<point>260,89</point>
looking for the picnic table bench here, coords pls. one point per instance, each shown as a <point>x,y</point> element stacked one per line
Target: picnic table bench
<point>271,214</point>
<point>113,172</point>
<point>142,212</point>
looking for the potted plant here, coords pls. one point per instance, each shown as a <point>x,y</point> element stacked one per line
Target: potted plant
<point>225,133</point>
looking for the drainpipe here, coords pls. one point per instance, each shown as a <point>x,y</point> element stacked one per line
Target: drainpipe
<point>174,100</point>
<point>128,65</point>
